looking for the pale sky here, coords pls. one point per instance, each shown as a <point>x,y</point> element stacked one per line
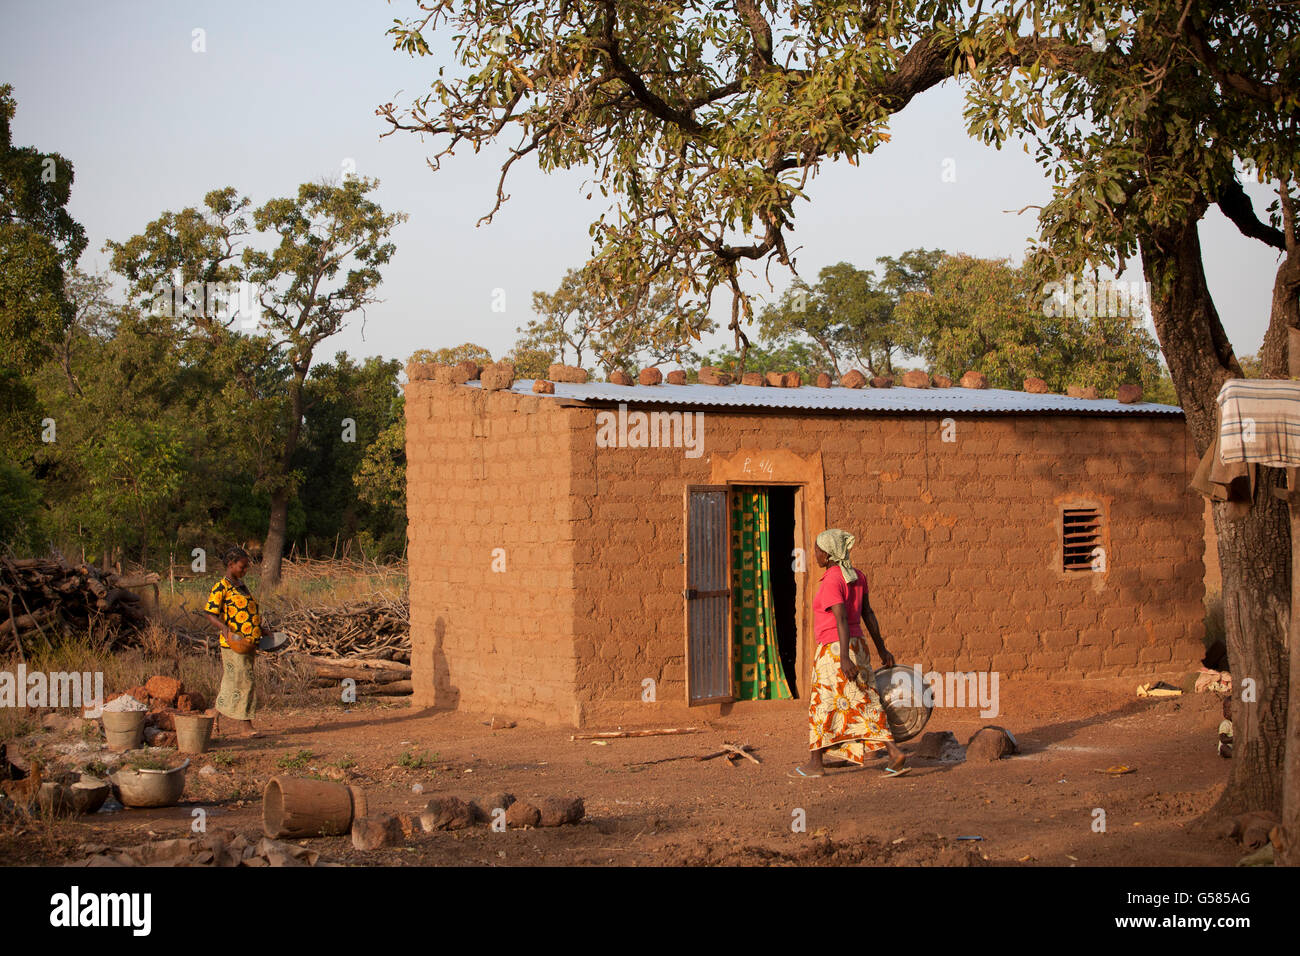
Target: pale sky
<point>285,93</point>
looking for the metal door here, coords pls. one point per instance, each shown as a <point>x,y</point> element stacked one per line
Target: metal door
<point>708,595</point>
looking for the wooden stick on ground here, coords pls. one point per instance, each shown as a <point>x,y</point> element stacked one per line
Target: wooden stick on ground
<point>732,752</point>
<point>610,734</point>
<point>743,752</point>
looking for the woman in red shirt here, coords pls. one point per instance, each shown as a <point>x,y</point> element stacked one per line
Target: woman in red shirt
<point>845,718</point>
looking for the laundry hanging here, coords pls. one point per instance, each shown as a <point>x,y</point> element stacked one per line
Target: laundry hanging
<point>758,672</point>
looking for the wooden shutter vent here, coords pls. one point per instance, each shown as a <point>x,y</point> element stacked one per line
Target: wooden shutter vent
<point>1080,537</point>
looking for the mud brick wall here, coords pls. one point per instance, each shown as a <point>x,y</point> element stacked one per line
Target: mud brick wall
<point>487,471</point>
<point>960,543</point>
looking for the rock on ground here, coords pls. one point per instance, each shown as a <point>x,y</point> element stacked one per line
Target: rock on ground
<point>446,813</point>
<point>484,806</point>
<point>940,745</point>
<point>990,744</point>
<point>190,702</point>
<point>557,811</point>
<point>521,814</point>
<point>164,689</point>
<point>1250,829</point>
<point>371,833</point>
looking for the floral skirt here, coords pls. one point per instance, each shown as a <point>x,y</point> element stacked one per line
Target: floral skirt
<point>845,718</point>
<point>237,697</point>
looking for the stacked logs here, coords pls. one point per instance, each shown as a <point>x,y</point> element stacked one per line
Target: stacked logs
<point>374,678</point>
<point>42,596</point>
<point>375,630</point>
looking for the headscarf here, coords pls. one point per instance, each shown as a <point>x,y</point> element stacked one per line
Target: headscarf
<point>837,544</point>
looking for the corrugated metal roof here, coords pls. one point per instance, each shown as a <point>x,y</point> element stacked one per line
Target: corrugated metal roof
<point>896,399</point>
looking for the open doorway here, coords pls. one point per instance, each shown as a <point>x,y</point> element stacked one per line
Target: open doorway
<point>764,617</point>
<point>781,561</point>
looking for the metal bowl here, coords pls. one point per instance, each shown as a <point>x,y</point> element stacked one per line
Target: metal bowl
<point>273,642</point>
<point>907,706</point>
<point>150,788</point>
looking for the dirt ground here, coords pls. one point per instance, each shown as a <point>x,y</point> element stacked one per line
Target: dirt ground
<point>1034,809</point>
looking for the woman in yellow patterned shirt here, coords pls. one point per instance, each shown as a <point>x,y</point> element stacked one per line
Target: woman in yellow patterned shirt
<point>232,607</point>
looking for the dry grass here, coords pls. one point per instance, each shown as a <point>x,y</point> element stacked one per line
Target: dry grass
<point>301,582</point>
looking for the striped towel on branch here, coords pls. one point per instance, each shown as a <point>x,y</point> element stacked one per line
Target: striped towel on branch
<point>1259,422</point>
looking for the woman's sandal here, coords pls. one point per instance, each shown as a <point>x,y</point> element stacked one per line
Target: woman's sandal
<point>891,772</point>
<point>797,772</point>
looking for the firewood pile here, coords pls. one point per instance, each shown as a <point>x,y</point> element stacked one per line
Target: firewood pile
<point>365,642</point>
<point>370,678</point>
<point>378,629</point>
<point>39,597</point>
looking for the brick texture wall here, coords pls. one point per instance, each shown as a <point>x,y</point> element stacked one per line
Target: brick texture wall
<point>960,543</point>
<point>488,471</point>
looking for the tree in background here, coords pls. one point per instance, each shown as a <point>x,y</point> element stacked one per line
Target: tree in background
<point>569,320</point>
<point>380,480</point>
<point>348,406</point>
<point>794,356</point>
<point>39,243</point>
<point>122,378</point>
<point>531,362</point>
<point>849,315</point>
<point>581,324</point>
<point>332,241</point>
<point>992,317</point>
<point>468,352</point>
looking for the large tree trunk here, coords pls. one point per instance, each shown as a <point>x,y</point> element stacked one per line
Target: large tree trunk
<point>1255,552</point>
<point>277,529</point>
<point>1257,612</point>
<point>276,534</point>
<point>1277,354</point>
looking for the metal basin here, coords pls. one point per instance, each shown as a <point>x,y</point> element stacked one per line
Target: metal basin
<point>902,694</point>
<point>150,788</point>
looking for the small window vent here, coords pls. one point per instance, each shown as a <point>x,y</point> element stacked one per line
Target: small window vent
<point>1080,538</point>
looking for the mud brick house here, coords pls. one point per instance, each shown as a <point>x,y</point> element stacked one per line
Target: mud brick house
<point>576,562</point>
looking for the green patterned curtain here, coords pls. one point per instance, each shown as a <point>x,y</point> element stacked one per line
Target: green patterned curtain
<point>758,671</point>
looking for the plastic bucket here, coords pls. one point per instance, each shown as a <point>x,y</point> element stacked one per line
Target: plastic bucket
<point>193,733</point>
<point>124,730</point>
